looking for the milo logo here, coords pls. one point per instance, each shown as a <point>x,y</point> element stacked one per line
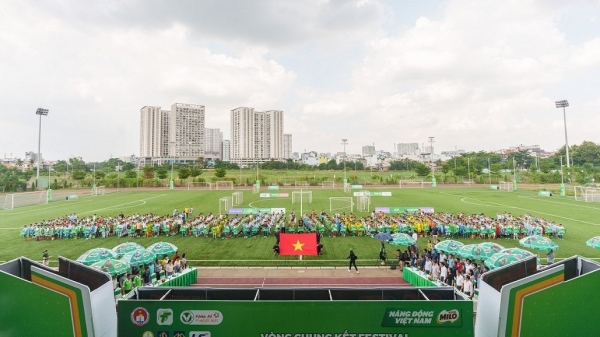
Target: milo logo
<point>448,316</point>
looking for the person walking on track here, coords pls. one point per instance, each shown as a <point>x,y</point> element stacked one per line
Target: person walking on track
<point>352,257</point>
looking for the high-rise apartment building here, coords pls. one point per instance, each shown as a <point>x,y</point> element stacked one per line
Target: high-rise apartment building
<point>407,148</point>
<point>213,144</point>
<point>256,136</point>
<point>226,150</point>
<point>172,135</point>
<point>368,150</point>
<point>287,146</point>
<point>186,130</point>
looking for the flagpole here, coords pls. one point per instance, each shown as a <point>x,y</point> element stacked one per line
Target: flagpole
<point>301,214</point>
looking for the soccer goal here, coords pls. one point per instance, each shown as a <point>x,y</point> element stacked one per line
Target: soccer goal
<point>24,199</point>
<point>347,187</point>
<point>413,183</point>
<point>225,204</point>
<point>305,195</point>
<point>341,204</point>
<point>363,202</point>
<point>587,194</point>
<point>328,184</point>
<point>256,188</point>
<point>98,190</point>
<point>200,185</point>
<point>505,186</point>
<point>301,183</point>
<point>237,198</point>
<point>224,185</point>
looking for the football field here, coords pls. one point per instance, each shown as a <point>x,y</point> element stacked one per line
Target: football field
<point>581,220</point>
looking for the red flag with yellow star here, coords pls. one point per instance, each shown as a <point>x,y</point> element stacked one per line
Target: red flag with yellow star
<point>298,244</point>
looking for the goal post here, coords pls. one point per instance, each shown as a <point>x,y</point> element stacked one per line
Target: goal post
<point>505,186</point>
<point>99,190</point>
<point>225,204</point>
<point>301,183</point>
<point>237,198</point>
<point>343,204</point>
<point>15,200</point>
<point>347,187</point>
<point>200,185</point>
<point>328,184</point>
<point>224,185</point>
<point>363,203</point>
<point>587,194</point>
<point>413,183</point>
<point>296,195</point>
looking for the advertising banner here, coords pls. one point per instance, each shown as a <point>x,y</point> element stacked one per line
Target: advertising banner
<point>273,187</point>
<point>254,210</point>
<point>356,187</point>
<point>274,195</point>
<point>357,318</point>
<point>400,210</point>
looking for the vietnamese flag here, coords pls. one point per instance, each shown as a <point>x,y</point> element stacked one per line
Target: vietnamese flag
<point>297,244</point>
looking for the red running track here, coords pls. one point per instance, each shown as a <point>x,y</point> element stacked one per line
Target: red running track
<point>278,282</point>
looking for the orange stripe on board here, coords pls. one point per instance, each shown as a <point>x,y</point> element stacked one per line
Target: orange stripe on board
<point>72,298</point>
<point>520,295</point>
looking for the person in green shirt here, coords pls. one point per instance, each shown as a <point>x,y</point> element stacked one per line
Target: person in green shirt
<point>137,280</point>
<point>45,257</point>
<point>127,285</point>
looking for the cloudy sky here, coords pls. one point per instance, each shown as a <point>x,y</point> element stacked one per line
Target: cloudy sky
<point>476,75</point>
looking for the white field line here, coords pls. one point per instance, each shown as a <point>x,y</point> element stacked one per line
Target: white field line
<point>143,201</point>
<point>495,204</point>
<point>561,203</point>
<point>67,203</point>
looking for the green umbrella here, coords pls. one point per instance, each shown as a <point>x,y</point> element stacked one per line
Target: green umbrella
<point>127,247</point>
<point>538,242</point>
<point>111,266</point>
<point>486,249</point>
<point>95,255</point>
<point>466,251</point>
<point>138,257</point>
<point>517,251</point>
<point>448,246</point>
<point>401,239</point>
<point>500,259</point>
<point>594,242</point>
<point>162,248</point>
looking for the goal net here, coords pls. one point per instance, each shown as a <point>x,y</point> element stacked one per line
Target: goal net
<point>347,187</point>
<point>587,194</point>
<point>363,203</point>
<point>256,188</point>
<point>305,195</point>
<point>99,190</point>
<point>301,183</point>
<point>328,184</point>
<point>224,185</point>
<point>201,185</point>
<point>24,199</point>
<point>237,198</point>
<point>413,183</point>
<point>225,204</point>
<point>505,186</point>
<point>341,204</point>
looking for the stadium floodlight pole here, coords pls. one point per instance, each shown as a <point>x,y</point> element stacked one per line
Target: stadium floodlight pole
<point>433,181</point>
<point>94,189</point>
<point>40,112</point>
<point>563,104</point>
<point>344,142</point>
<point>514,175</point>
<point>562,180</point>
<point>490,172</point>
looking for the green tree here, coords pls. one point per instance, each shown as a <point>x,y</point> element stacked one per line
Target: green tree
<point>586,152</point>
<point>162,173</point>
<point>100,174</point>
<point>422,170</point>
<point>148,172</point>
<point>79,174</point>
<point>130,174</point>
<point>220,172</point>
<point>194,172</point>
<point>184,173</point>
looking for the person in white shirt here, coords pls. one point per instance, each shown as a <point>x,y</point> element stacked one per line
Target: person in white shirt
<point>443,272</point>
<point>435,271</point>
<point>428,265</point>
<point>442,257</point>
<point>468,287</point>
<point>460,280</point>
<point>415,236</point>
<point>469,266</point>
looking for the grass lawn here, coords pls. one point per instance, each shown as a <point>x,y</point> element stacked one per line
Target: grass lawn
<point>582,221</point>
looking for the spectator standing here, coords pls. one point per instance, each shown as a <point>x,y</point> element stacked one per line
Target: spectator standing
<point>183,261</point>
<point>45,257</point>
<point>435,270</point>
<point>127,285</point>
<point>352,257</point>
<point>169,268</point>
<point>468,287</point>
<point>460,280</point>
<point>550,256</point>
<point>443,272</point>
<point>382,253</point>
<point>428,265</point>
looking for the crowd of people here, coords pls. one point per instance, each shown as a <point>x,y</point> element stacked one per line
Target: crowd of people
<point>209,225</point>
<point>142,276</point>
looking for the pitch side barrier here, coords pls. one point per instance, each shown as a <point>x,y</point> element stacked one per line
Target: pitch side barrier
<point>296,312</point>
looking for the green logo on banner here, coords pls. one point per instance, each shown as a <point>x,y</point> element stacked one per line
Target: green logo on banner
<point>423,318</point>
<point>355,187</point>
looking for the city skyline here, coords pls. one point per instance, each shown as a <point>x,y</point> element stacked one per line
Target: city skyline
<point>474,75</point>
